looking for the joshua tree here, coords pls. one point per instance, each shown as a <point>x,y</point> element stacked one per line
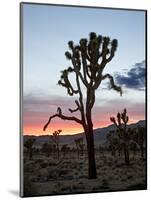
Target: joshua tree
<point>55,140</point>
<point>29,145</point>
<point>121,124</point>
<point>88,59</point>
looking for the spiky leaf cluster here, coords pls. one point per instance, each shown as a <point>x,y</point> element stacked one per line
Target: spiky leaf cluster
<point>89,58</point>
<point>122,118</point>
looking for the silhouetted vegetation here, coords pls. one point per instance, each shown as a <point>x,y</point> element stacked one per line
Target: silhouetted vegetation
<point>55,140</point>
<point>29,145</point>
<point>126,139</point>
<point>121,124</point>
<point>89,59</point>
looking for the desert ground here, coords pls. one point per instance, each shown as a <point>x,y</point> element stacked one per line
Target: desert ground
<point>49,176</point>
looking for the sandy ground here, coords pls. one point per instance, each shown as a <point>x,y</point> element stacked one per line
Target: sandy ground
<point>48,176</point>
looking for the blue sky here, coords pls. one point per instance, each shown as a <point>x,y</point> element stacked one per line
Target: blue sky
<point>47,29</point>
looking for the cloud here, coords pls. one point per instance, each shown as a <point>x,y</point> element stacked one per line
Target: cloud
<point>134,78</point>
<point>136,110</point>
<point>37,110</point>
<point>44,104</point>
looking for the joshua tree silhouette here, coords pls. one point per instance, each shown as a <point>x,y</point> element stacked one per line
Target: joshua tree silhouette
<point>55,140</point>
<point>121,124</point>
<point>88,59</point>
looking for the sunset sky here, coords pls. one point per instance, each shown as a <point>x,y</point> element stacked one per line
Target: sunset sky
<point>46,32</point>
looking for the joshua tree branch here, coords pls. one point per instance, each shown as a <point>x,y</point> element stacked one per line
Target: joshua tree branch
<point>87,72</point>
<point>86,56</point>
<point>61,116</point>
<point>104,54</point>
<point>80,75</point>
<point>115,87</point>
<point>70,88</point>
<point>65,82</point>
<point>73,110</point>
<point>84,62</point>
<point>80,102</point>
<point>99,72</point>
<point>110,57</point>
<point>76,109</point>
<point>78,72</point>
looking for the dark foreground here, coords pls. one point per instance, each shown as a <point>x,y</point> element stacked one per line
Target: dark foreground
<point>50,176</point>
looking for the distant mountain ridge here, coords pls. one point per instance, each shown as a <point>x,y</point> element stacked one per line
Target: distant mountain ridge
<point>99,135</point>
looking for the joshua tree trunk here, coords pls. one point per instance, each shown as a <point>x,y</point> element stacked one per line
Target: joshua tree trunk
<point>91,153</point>
<point>91,160</point>
<point>126,150</point>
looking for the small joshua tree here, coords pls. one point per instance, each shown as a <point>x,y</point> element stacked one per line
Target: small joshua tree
<point>55,140</point>
<point>29,145</point>
<point>121,124</point>
<point>88,58</point>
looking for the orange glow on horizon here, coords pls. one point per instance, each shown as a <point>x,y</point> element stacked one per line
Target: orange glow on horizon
<point>68,128</point>
<point>31,130</point>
